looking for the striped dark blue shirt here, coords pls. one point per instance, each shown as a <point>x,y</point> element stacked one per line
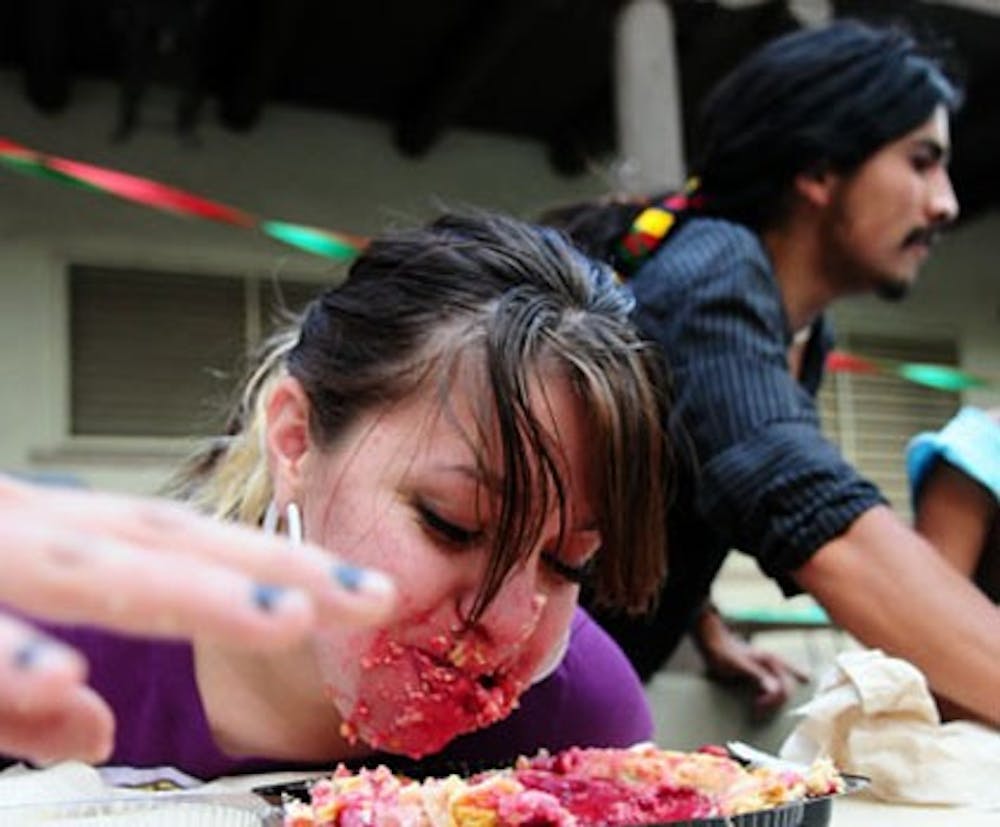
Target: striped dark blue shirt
<point>762,478</point>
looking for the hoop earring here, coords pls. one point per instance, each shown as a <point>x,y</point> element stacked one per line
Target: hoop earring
<point>293,521</point>
<point>270,523</point>
<point>293,517</point>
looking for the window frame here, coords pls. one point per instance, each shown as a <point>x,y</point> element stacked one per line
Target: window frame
<point>63,446</point>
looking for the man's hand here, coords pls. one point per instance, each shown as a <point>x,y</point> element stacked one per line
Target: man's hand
<point>730,659</point>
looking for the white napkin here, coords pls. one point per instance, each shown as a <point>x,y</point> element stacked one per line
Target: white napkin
<point>874,716</point>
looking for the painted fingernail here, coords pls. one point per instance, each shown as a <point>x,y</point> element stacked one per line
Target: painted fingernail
<point>359,580</point>
<point>27,655</point>
<point>37,654</point>
<point>266,597</point>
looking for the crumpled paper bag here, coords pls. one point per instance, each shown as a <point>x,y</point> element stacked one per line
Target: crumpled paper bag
<point>874,716</point>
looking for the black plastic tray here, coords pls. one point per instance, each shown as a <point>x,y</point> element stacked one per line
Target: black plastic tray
<point>808,812</point>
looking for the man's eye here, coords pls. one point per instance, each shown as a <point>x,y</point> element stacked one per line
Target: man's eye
<point>574,573</point>
<point>451,532</point>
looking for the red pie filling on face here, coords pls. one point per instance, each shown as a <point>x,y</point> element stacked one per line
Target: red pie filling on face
<point>414,700</point>
<point>576,788</point>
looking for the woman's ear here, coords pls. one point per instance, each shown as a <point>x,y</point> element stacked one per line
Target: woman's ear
<point>287,437</point>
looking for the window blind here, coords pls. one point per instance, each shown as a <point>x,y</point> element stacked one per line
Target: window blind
<point>160,354</point>
<point>872,417</point>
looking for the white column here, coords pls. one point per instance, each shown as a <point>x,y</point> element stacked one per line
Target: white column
<point>647,98</point>
<point>807,12</point>
<point>811,12</point>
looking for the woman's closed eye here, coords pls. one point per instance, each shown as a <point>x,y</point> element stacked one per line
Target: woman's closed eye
<point>574,561</point>
<point>576,573</point>
<point>451,532</point>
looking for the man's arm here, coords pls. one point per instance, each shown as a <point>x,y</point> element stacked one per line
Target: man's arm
<point>891,589</point>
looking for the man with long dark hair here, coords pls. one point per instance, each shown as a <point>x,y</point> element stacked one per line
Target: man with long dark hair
<point>822,173</point>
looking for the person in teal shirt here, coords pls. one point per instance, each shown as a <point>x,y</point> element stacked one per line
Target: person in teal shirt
<point>954,478</point>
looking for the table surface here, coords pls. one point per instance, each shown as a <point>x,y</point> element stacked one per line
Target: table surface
<point>76,782</point>
<point>864,811</point>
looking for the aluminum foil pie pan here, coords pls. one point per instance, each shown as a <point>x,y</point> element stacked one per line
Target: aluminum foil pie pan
<point>808,812</point>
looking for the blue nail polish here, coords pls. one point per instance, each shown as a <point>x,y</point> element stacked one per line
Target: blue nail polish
<point>350,577</point>
<point>265,596</point>
<point>27,654</point>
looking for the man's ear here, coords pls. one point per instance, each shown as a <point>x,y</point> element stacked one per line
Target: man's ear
<point>287,438</point>
<point>816,185</point>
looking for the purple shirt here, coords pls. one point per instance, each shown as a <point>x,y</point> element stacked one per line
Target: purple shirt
<point>594,698</point>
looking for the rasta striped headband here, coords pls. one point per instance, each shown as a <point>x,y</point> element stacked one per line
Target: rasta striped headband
<point>653,224</point>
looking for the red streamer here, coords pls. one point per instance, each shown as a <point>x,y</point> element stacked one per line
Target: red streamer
<point>839,362</point>
<point>8,147</point>
<point>151,193</point>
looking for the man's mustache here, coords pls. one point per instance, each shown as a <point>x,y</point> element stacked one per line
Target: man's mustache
<point>924,236</point>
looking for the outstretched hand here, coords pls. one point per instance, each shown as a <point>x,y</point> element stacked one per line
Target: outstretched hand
<point>730,659</point>
<point>145,567</point>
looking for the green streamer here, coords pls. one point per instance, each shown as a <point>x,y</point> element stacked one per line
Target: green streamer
<point>311,240</point>
<point>39,170</point>
<point>940,377</point>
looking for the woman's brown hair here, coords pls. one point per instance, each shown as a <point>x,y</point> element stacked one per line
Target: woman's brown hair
<point>518,300</point>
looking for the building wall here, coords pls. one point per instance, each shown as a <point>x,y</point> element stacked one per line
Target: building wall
<point>313,168</point>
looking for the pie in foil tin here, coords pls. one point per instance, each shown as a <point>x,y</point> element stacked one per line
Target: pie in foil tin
<point>589,787</point>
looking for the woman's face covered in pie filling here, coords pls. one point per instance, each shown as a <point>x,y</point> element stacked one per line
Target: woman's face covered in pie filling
<point>413,490</point>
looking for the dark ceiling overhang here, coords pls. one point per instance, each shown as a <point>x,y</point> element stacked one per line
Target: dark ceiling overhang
<point>535,68</point>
